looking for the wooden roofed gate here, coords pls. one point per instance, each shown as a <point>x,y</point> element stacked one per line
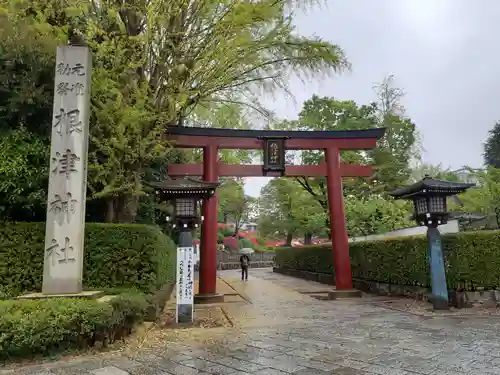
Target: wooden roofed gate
<point>274,143</point>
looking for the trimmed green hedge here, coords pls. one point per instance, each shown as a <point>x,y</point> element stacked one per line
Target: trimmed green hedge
<point>128,255</point>
<point>41,327</point>
<point>472,260</point>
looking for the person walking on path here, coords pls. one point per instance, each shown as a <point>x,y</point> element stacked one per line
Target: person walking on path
<point>245,262</point>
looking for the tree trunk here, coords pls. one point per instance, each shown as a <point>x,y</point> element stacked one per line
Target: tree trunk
<point>127,210</point>
<point>328,227</point>
<point>307,238</point>
<point>236,234</point>
<point>110,210</point>
<point>289,238</point>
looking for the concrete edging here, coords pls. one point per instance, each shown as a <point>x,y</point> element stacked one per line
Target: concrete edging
<point>486,298</point>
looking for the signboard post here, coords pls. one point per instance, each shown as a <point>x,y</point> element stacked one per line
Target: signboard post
<point>185,284</point>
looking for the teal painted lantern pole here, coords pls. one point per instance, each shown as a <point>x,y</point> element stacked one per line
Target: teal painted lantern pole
<point>438,274</point>
<point>429,198</point>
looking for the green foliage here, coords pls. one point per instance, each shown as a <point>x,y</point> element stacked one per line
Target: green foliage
<point>369,215</point>
<point>399,146</point>
<point>126,138</point>
<point>234,205</point>
<point>485,198</point>
<point>146,77</point>
<point>473,260</point>
<point>260,241</point>
<point>264,249</point>
<point>434,171</point>
<point>27,51</point>
<point>115,256</point>
<point>286,209</point>
<point>226,115</point>
<point>220,236</point>
<point>245,242</point>
<point>492,147</point>
<point>392,156</point>
<point>365,207</point>
<point>24,160</point>
<point>42,327</point>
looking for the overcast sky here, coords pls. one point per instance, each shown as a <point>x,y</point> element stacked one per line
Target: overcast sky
<point>444,53</point>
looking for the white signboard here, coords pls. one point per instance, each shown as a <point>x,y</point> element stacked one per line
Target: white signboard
<point>185,284</point>
<point>64,234</point>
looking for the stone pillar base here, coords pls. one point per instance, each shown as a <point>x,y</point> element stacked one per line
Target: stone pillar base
<point>344,293</point>
<point>208,298</point>
<point>91,294</point>
<point>440,303</point>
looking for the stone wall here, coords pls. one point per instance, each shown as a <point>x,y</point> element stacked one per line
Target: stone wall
<point>486,298</point>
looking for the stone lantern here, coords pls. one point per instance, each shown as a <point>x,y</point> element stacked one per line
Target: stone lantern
<point>184,193</point>
<point>429,199</point>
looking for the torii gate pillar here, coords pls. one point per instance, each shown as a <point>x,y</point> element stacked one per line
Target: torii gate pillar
<point>340,243</point>
<point>208,244</point>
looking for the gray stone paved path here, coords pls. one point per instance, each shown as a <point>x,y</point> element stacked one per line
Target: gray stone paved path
<point>285,332</point>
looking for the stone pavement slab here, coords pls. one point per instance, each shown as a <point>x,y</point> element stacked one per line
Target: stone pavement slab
<point>282,331</point>
<point>109,370</point>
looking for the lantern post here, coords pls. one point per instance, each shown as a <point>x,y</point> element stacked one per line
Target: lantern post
<point>184,193</point>
<point>429,200</point>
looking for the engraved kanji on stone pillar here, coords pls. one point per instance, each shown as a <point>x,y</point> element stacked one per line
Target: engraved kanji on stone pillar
<point>65,228</point>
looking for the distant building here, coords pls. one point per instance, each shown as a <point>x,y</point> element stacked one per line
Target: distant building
<point>249,227</point>
<point>467,175</point>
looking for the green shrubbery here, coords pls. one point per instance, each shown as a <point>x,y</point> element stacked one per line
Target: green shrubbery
<point>38,327</point>
<point>472,260</point>
<point>135,263</point>
<point>246,243</point>
<point>128,255</point>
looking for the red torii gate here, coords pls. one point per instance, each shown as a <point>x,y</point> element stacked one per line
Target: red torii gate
<point>274,143</point>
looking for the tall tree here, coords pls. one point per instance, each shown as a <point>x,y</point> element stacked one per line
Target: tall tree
<point>372,215</point>
<point>156,61</point>
<point>23,176</point>
<point>234,204</point>
<point>392,156</point>
<point>324,113</point>
<point>492,147</point>
<point>485,198</point>
<point>286,210</point>
<point>26,71</point>
<point>434,171</point>
<point>398,148</point>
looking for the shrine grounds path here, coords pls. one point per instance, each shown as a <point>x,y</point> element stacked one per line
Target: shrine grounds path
<point>282,329</point>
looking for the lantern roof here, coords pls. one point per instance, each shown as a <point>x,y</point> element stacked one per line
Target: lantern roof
<point>184,187</point>
<point>429,186</point>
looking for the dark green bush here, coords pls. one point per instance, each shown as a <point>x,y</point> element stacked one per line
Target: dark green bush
<point>260,241</point>
<point>472,260</point>
<point>245,242</point>
<point>116,255</point>
<point>40,327</point>
<point>220,236</point>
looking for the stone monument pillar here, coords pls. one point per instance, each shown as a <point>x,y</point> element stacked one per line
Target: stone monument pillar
<point>65,227</point>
